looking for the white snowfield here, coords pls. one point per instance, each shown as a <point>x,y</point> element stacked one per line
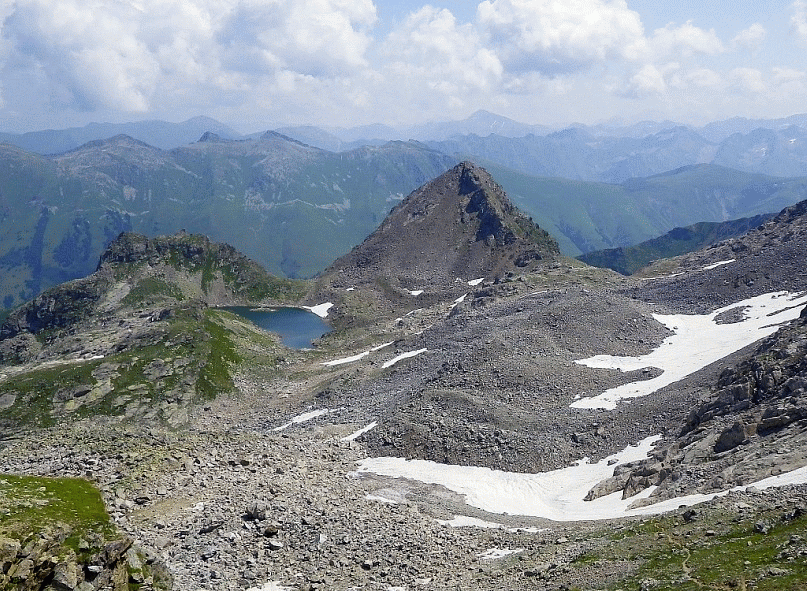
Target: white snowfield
<point>698,341</point>
<point>354,358</point>
<point>557,495</point>
<point>320,310</point>
<point>344,360</point>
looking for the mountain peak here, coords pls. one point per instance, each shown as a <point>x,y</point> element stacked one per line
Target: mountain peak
<point>461,225</point>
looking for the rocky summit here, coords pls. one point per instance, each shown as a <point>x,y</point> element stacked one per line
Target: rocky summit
<point>457,228</point>
<point>486,414</point>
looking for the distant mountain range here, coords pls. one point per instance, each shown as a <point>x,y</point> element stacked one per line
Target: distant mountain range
<point>291,207</point>
<point>295,205</point>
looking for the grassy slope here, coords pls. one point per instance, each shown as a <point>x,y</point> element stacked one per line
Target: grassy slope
<point>586,216</point>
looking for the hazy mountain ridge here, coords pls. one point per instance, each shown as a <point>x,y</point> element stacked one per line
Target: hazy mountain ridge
<point>271,196</point>
<point>678,241</point>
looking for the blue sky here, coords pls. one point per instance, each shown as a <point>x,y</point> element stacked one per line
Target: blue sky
<point>257,64</point>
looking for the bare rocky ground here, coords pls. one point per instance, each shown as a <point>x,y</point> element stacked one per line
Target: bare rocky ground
<point>226,500</point>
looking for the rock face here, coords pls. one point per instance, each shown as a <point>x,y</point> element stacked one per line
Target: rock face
<point>460,225</point>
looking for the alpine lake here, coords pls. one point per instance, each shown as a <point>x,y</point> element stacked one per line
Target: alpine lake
<point>297,328</point>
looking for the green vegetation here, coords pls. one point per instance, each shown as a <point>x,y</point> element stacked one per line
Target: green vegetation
<point>188,359</point>
<point>150,289</point>
<point>215,376</point>
<point>678,241</point>
<point>726,557</point>
<point>28,504</point>
<point>589,216</point>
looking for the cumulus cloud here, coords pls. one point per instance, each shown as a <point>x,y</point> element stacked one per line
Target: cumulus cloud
<point>87,52</point>
<point>554,37</point>
<point>117,55</point>
<point>787,74</point>
<point>320,38</point>
<point>435,59</point>
<point>799,18</point>
<point>685,40</point>
<point>750,38</point>
<point>747,80</point>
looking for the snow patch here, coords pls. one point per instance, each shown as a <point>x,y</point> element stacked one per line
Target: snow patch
<point>556,495</point>
<point>306,416</point>
<point>401,357</point>
<point>466,521</point>
<point>270,586</point>
<point>356,357</point>
<point>379,347</point>
<point>475,282</point>
<point>416,292</point>
<point>360,432</point>
<point>320,310</point>
<point>344,360</point>
<point>698,341</point>
<point>497,553</point>
<point>718,264</point>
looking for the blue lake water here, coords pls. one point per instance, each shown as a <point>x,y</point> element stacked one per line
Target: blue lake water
<point>296,327</point>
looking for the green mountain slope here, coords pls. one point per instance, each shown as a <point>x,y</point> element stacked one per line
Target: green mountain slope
<point>291,207</point>
<point>627,260</point>
<point>587,216</point>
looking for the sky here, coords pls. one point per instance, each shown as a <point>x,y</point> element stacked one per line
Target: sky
<point>259,64</point>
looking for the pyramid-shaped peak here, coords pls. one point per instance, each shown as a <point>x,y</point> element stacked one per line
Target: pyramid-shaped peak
<point>459,225</point>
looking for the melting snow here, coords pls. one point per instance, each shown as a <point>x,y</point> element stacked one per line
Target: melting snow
<point>360,432</point>
<point>320,310</point>
<point>379,347</point>
<point>401,357</point>
<point>270,586</point>
<point>556,495</point>
<point>717,264</point>
<point>475,282</point>
<point>416,292</point>
<point>356,357</point>
<point>698,341</point>
<point>346,359</point>
<point>497,553</point>
<point>465,521</point>
<point>306,416</point>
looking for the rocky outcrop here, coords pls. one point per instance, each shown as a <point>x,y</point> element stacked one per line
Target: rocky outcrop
<point>45,560</point>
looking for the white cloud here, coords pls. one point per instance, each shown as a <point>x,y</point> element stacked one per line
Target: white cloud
<point>556,37</point>
<point>88,52</point>
<point>781,75</point>
<point>118,55</point>
<point>320,38</point>
<point>799,18</point>
<point>685,40</point>
<point>431,58</point>
<point>747,80</point>
<point>750,38</point>
<point>704,78</point>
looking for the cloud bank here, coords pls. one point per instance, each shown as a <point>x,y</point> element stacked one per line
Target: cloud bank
<point>326,60</point>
